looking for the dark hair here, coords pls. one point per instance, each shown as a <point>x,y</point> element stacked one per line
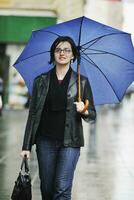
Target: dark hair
<point>63,39</point>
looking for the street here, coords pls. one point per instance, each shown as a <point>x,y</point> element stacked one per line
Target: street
<point>105,168</point>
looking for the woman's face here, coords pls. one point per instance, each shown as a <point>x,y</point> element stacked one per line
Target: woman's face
<point>63,53</point>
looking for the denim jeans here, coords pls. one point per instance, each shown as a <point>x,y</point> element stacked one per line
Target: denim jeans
<point>56,168</point>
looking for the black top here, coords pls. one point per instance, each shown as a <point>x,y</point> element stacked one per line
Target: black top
<point>53,115</point>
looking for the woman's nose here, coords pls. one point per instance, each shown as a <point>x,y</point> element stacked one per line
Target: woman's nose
<point>62,52</point>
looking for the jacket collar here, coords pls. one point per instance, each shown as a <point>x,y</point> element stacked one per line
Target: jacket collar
<point>45,81</point>
<point>46,78</point>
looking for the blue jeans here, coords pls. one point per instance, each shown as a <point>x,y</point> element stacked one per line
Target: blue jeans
<point>56,168</point>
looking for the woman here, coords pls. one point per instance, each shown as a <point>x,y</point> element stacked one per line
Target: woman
<point>54,123</point>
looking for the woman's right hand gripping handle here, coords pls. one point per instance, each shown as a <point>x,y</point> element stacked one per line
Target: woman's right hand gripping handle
<point>25,153</point>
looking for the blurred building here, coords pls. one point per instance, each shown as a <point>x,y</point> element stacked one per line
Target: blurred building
<point>17,20</point>
<point>109,12</point>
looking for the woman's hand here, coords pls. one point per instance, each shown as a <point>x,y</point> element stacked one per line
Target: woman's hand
<point>80,107</point>
<point>25,153</point>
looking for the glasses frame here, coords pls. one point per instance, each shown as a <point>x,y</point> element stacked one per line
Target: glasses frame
<point>65,51</point>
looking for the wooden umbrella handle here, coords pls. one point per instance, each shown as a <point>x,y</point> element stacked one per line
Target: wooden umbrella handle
<point>78,83</point>
<point>86,106</point>
<point>79,90</point>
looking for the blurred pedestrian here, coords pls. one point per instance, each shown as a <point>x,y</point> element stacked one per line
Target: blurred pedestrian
<point>1,95</point>
<point>55,121</point>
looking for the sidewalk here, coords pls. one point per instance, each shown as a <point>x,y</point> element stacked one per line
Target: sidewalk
<point>105,168</point>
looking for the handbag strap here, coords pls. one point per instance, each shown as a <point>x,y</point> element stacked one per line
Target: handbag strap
<point>25,164</point>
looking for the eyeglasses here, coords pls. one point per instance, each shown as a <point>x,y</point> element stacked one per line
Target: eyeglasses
<point>66,50</point>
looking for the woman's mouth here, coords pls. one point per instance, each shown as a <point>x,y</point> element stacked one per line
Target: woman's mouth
<point>62,58</point>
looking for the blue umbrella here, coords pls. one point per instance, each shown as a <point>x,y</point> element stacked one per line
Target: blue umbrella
<point>106,57</point>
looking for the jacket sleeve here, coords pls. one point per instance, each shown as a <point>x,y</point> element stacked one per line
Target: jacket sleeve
<point>27,143</point>
<point>87,94</point>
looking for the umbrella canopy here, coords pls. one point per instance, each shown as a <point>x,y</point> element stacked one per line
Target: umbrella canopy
<point>106,56</point>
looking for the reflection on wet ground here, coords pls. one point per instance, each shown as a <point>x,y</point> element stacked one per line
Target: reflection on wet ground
<point>105,168</point>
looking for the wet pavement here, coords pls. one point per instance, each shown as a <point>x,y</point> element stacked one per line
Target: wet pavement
<point>105,168</point>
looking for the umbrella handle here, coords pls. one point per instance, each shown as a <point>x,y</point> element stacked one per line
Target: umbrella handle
<point>79,90</point>
<point>86,106</point>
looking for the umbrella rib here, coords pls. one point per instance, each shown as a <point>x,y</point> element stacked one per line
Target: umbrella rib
<point>33,56</point>
<point>80,31</point>
<point>106,52</point>
<point>96,39</point>
<point>92,42</point>
<point>50,32</point>
<point>91,62</point>
<point>101,51</point>
<point>101,72</point>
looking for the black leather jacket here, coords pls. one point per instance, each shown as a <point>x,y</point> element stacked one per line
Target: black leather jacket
<point>73,134</point>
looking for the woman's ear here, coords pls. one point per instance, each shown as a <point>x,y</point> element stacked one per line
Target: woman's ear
<point>72,60</point>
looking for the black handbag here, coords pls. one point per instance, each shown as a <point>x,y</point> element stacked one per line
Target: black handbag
<point>22,189</point>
